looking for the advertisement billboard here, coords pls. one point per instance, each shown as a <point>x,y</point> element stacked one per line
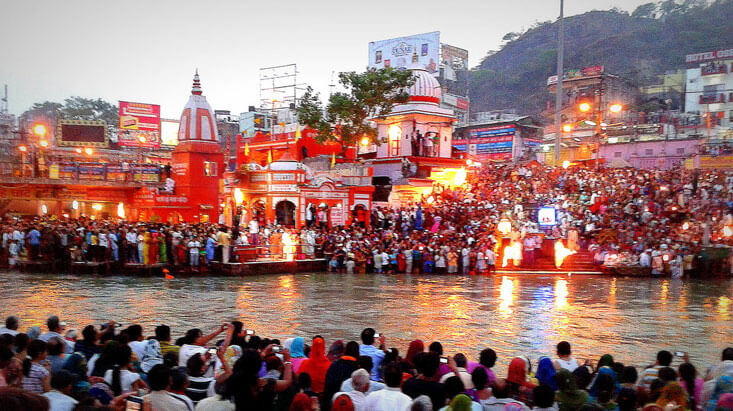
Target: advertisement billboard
<point>139,125</point>
<point>488,143</point>
<point>417,51</point>
<point>574,74</point>
<point>455,57</point>
<point>87,133</point>
<point>455,101</point>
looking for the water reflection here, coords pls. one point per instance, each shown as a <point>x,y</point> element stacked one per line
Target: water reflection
<point>515,315</point>
<point>506,295</point>
<point>561,294</point>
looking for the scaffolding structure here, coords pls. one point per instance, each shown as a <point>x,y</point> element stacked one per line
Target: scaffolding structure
<point>279,87</point>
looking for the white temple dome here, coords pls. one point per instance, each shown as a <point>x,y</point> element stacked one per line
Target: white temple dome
<point>198,122</point>
<point>285,163</point>
<point>426,88</point>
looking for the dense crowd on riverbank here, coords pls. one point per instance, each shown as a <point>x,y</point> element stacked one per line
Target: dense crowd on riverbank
<point>102,368</point>
<point>663,220</point>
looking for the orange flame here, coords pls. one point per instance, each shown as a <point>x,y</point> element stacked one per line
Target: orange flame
<point>561,252</point>
<point>512,252</point>
<point>289,247</point>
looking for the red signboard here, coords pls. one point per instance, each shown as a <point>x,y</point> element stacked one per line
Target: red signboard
<point>709,55</point>
<point>139,125</point>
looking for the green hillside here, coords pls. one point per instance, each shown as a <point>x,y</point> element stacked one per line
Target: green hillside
<point>638,46</point>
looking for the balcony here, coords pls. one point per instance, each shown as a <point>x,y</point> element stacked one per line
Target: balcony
<point>712,98</point>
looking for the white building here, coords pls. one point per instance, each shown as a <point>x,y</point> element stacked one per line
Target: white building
<point>709,86</point>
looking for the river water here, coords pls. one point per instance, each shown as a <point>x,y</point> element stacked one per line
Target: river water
<point>513,314</point>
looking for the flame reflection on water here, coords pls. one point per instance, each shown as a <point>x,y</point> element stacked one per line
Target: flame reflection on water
<point>513,314</point>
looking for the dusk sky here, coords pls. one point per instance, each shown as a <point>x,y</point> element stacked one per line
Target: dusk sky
<point>147,51</point>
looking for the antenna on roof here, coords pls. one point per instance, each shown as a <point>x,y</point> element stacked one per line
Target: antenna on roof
<point>331,86</point>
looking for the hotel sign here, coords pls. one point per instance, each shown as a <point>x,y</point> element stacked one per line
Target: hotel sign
<point>709,55</point>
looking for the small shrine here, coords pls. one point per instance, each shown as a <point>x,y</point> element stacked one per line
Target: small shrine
<point>415,149</point>
<point>288,193</point>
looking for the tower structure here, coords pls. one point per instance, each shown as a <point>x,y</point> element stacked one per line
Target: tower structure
<point>198,159</point>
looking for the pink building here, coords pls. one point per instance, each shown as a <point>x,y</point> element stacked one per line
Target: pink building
<point>658,153</point>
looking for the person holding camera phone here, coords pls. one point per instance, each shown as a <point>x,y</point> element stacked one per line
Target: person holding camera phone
<point>367,347</point>
<point>195,342</point>
<point>201,385</point>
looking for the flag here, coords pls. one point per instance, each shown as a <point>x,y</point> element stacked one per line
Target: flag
<point>333,159</point>
<point>297,133</point>
<point>246,149</point>
<point>269,156</point>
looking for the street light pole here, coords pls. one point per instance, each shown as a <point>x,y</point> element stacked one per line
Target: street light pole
<point>558,95</point>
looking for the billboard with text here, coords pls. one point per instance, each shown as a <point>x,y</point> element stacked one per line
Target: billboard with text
<point>139,125</point>
<point>417,51</point>
<point>488,143</point>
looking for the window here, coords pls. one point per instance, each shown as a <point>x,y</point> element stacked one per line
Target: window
<point>680,150</point>
<point>649,152</point>
<point>210,169</point>
<point>617,154</point>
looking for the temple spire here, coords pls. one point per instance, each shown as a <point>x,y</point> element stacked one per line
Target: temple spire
<point>196,84</point>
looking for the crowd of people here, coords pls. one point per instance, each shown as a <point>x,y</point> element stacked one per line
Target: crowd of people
<point>233,368</point>
<point>660,219</point>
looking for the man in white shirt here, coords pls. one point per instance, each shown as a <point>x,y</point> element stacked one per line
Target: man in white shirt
<point>390,398</point>
<point>465,376</point>
<point>58,397</point>
<point>131,238</point>
<point>645,260</point>
<point>11,326</point>
<point>55,329</point>
<point>137,345</point>
<point>254,231</point>
<point>195,343</point>
<point>160,400</point>
<point>360,382</point>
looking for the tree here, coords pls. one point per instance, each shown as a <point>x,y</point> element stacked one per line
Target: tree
<point>511,36</point>
<point>345,119</point>
<point>79,108</point>
<point>49,110</point>
<point>645,11</point>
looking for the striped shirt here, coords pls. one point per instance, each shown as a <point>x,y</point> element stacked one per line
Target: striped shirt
<point>649,375</point>
<point>33,382</point>
<point>198,388</point>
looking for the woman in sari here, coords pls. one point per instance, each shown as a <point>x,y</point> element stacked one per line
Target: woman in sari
<point>568,396</point>
<point>605,381</point>
<point>546,373</point>
<point>154,246</point>
<point>297,352</point>
<point>416,346</point>
<point>519,387</point>
<point>316,365</point>
<point>605,361</point>
<point>723,385</point>
<point>162,249</point>
<point>210,248</point>
<point>673,396</point>
<point>146,247</point>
